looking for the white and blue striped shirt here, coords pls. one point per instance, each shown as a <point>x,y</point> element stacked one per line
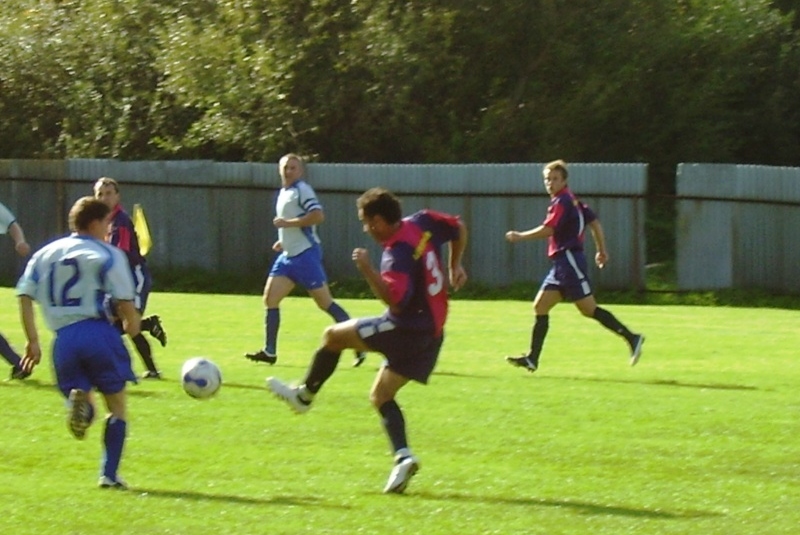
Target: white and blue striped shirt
<point>71,278</point>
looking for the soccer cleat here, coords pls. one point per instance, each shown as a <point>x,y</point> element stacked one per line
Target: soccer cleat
<point>262,356</point>
<point>78,417</point>
<point>523,362</point>
<point>636,348</point>
<point>359,358</point>
<point>403,471</point>
<point>289,394</point>
<point>19,373</point>
<point>151,374</point>
<point>157,330</point>
<point>108,483</point>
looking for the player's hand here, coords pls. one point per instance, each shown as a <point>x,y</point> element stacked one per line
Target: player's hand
<point>33,355</point>
<point>280,222</point>
<point>458,277</point>
<point>277,247</point>
<point>22,248</point>
<point>361,258</point>
<point>601,259</point>
<point>512,236</point>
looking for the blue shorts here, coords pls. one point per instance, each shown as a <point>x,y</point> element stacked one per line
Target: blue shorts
<point>568,276</point>
<point>90,353</point>
<point>304,269</point>
<point>412,354</point>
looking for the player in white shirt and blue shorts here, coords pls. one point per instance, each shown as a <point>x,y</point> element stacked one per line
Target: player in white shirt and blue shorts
<point>71,278</point>
<point>298,212</point>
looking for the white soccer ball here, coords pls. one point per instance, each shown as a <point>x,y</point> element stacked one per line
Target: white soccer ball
<point>200,377</point>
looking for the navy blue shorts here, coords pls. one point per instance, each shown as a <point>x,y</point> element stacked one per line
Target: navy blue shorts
<point>90,353</point>
<point>304,269</point>
<point>568,276</point>
<point>412,354</point>
<point>143,283</point>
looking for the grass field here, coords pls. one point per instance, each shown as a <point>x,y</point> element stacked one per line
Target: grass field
<point>700,437</point>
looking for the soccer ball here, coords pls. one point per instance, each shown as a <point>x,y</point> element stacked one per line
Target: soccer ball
<point>200,377</point>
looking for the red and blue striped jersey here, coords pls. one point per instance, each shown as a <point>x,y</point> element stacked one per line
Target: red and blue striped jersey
<point>568,217</point>
<point>411,266</point>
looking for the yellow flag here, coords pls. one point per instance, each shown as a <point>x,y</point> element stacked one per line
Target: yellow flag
<point>142,230</point>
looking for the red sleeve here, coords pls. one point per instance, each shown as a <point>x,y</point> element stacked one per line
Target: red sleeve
<point>123,237</point>
<point>554,213</point>
<point>398,285</point>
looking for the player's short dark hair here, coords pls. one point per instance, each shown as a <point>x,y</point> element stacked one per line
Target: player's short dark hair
<point>85,211</point>
<point>382,202</point>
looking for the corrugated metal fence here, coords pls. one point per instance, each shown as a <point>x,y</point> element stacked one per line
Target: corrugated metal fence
<point>218,216</point>
<point>737,227</point>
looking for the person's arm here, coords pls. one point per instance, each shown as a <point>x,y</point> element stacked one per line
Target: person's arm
<point>131,320</point>
<point>458,276</point>
<point>314,217</point>
<point>33,352</point>
<point>20,245</point>
<point>601,256</point>
<point>372,276</point>
<point>542,231</point>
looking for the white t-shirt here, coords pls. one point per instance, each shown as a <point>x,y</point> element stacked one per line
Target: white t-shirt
<point>6,218</point>
<point>296,201</point>
<point>71,277</point>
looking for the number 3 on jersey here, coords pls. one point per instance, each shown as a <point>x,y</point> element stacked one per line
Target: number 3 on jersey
<point>435,275</point>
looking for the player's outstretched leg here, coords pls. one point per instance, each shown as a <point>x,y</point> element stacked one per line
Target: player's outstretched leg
<point>294,396</point>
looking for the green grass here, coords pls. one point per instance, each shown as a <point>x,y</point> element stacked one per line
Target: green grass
<point>700,437</point>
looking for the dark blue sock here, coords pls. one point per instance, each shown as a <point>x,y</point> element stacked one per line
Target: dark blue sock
<point>272,322</point>
<point>8,353</point>
<point>540,328</point>
<point>322,367</point>
<point>610,322</point>
<point>394,423</point>
<point>114,440</point>
<point>337,312</point>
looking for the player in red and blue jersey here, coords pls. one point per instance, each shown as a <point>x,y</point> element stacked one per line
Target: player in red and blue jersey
<point>122,234</point>
<point>413,283</point>
<point>564,227</point>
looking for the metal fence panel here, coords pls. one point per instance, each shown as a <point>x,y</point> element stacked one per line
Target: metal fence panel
<point>736,227</point>
<point>218,216</point>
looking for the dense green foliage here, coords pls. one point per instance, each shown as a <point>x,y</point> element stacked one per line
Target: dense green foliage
<point>400,81</point>
<point>405,81</point>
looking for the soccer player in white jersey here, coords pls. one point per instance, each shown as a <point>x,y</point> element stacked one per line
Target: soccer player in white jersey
<point>298,212</point>
<point>9,225</point>
<point>71,278</point>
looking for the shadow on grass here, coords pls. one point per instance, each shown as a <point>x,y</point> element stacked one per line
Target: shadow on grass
<point>656,382</point>
<point>585,508</point>
<point>29,383</point>
<point>229,498</point>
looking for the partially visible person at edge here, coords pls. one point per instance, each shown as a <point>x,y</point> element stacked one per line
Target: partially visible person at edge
<point>568,279</point>
<point>412,281</point>
<point>9,225</point>
<point>121,233</point>
<point>70,278</point>
<point>298,212</point>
